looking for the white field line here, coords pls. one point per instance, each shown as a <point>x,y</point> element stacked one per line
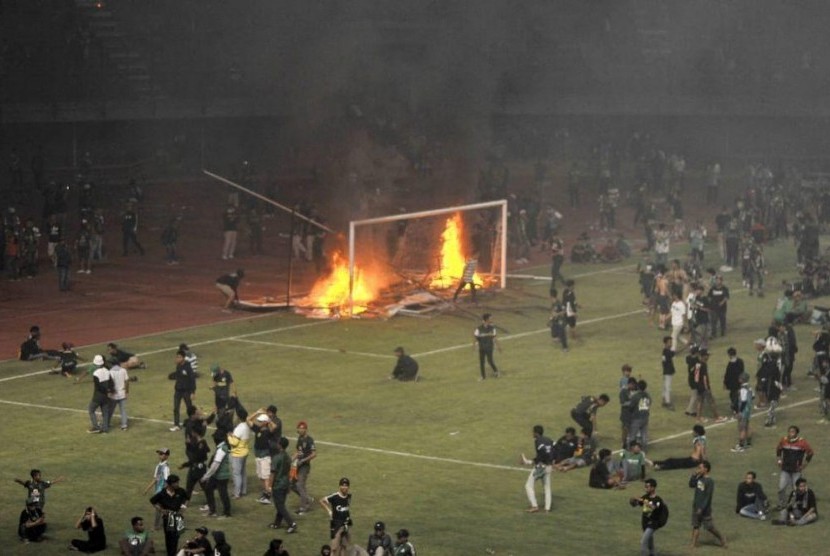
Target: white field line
<point>582,275</point>
<point>530,333</point>
<point>204,343</point>
<point>396,452</point>
<point>312,348</point>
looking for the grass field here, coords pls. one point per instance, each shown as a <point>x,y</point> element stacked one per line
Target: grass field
<point>439,457</point>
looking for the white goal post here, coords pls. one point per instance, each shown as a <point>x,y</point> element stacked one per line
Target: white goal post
<point>426,213</point>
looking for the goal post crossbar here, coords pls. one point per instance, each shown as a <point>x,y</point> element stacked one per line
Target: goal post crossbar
<point>502,204</point>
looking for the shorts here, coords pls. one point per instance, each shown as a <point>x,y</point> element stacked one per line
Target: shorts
<point>743,424</point>
<point>263,468</point>
<point>663,304</point>
<point>704,520</point>
<point>571,321</point>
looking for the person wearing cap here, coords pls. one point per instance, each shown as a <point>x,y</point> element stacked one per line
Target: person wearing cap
<point>279,480</point>
<point>197,545</point>
<point>102,385</point>
<point>380,543</point>
<point>338,506</point>
<point>406,368</point>
<point>93,524</point>
<point>224,388</point>
<point>230,230</point>
<point>136,541</point>
<point>32,523</point>
<point>306,451</point>
<point>402,545</point>
<point>228,284</point>
<point>184,389</point>
<point>160,474</point>
<point>264,439</point>
<point>169,503</point>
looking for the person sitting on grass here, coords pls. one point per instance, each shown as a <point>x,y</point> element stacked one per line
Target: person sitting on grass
<point>698,453</point>
<point>136,541</point>
<point>96,540</point>
<point>601,475</point>
<point>406,369</point>
<point>752,502</point>
<point>586,449</point>
<point>32,524</point>
<point>801,506</point>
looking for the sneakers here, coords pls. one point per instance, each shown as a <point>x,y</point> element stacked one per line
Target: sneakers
<point>264,500</point>
<point>175,428</point>
<point>738,448</point>
<point>93,431</point>
<point>204,508</point>
<point>301,511</point>
<point>292,528</point>
<point>275,525</point>
<point>532,510</point>
<point>722,419</point>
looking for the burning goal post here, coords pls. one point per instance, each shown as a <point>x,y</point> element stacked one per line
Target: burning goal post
<point>499,255</point>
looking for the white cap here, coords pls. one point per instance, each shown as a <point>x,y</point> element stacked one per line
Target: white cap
<point>98,360</point>
<point>263,418</point>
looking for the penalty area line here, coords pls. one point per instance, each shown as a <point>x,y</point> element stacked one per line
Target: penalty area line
<point>313,348</point>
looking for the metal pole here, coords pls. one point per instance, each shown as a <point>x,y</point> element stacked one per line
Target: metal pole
<point>267,200</point>
<point>290,258</point>
<point>351,267</point>
<point>503,268</point>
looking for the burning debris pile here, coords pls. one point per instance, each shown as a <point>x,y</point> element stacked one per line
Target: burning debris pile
<point>379,290</point>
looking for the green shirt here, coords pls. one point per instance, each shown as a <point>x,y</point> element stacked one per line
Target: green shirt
<point>280,466</point>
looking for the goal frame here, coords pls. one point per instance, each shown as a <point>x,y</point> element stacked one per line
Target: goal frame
<point>353,225</point>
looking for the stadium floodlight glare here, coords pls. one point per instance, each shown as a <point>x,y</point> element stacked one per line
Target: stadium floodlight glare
<point>502,235</point>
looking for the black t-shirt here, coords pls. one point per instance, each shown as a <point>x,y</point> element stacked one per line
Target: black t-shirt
<point>375,542</point>
<point>718,295</point>
<point>222,384</point>
<point>231,280</point>
<point>340,508</point>
<point>167,501</point>
<point>185,377</point>
<point>97,536</point>
<point>29,348</point>
<point>485,335</point>
<point>668,361</point>
<point>120,356</point>
<point>599,476</point>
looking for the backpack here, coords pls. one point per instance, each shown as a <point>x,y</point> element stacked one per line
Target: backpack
<point>662,516</point>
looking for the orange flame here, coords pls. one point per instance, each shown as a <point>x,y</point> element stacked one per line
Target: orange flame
<point>333,290</point>
<point>452,255</point>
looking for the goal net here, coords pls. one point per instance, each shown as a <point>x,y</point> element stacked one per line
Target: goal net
<point>428,249</point>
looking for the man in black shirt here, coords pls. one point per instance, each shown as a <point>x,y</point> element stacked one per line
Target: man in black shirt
<point>655,515</point>
<point>718,298</point>
<point>129,230</point>
<point>170,501</point>
<point>732,378</point>
<point>406,368</point>
<point>30,349</point>
<point>541,462</point>
<point>228,284</point>
<point>585,413</point>
<point>185,388</point>
<point>123,358</point>
<point>380,543</point>
<point>667,362</point>
<point>485,337</point>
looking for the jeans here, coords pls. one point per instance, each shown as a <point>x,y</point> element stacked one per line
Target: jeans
<point>647,542</point>
<point>105,418</point>
<point>786,480</point>
<point>667,388</point>
<point>240,477</point>
<point>752,511</point>
<point>122,406</point>
<point>488,355</point>
<point>638,427</point>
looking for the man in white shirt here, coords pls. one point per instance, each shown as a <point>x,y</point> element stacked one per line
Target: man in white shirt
<point>121,389</point>
<point>678,319</point>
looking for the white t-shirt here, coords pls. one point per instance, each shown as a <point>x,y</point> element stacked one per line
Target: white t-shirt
<point>119,378</point>
<point>678,311</point>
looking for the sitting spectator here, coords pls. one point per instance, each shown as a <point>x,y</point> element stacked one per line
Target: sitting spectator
<point>220,545</point>
<point>30,349</point>
<point>586,448</point>
<point>96,540</point>
<point>752,502</point>
<point>406,368</point>
<point>380,543</point>
<point>601,475</point>
<point>136,541</point>
<point>565,446</point>
<point>632,465</point>
<point>32,524</point>
<point>801,506</point>
<point>583,251</point>
<point>197,545</point>
<point>275,548</point>
<point>610,253</point>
